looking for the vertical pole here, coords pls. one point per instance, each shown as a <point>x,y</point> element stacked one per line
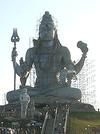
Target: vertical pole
<point>14,39</point>
<point>44,124</point>
<point>14,68</point>
<point>55,119</point>
<point>66,121</point>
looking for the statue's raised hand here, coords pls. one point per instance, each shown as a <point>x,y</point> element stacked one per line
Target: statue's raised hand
<point>14,54</point>
<point>82,46</point>
<point>84,49</point>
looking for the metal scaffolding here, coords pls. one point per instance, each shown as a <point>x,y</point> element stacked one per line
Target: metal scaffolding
<point>86,82</point>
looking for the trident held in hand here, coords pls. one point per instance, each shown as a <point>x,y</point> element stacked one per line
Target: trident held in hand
<point>14,38</point>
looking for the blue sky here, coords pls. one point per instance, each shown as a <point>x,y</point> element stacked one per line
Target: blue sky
<point>76,20</point>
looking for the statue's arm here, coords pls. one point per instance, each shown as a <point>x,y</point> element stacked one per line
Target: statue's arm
<point>24,66</point>
<point>84,49</point>
<point>70,68</point>
<point>80,64</point>
<point>77,67</point>
<point>67,59</point>
<point>16,66</point>
<point>29,58</point>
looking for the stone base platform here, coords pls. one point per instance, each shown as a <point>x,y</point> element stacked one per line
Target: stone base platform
<point>81,107</point>
<point>60,94</point>
<point>52,96</point>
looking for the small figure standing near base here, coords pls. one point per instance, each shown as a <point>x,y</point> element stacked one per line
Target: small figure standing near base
<point>24,100</point>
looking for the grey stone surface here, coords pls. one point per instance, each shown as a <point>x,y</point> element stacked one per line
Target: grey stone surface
<point>49,58</point>
<point>81,107</point>
<point>47,95</point>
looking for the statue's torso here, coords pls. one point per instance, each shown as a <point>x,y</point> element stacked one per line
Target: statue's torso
<point>48,62</point>
<point>47,65</point>
<point>46,69</point>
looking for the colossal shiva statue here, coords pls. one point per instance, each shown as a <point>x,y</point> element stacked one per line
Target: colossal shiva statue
<point>50,59</point>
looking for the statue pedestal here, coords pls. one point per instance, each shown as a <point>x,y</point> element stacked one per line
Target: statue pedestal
<point>52,96</point>
<point>81,107</point>
<point>61,94</point>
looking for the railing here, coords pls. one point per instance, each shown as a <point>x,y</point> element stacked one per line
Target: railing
<point>56,124</point>
<point>44,124</point>
<point>66,121</point>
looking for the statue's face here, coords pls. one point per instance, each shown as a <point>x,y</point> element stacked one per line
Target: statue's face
<point>46,31</point>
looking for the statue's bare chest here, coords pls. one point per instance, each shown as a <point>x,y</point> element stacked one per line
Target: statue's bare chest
<point>43,59</point>
<point>47,60</point>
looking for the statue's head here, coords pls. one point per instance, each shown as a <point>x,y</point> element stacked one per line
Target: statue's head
<point>47,27</point>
